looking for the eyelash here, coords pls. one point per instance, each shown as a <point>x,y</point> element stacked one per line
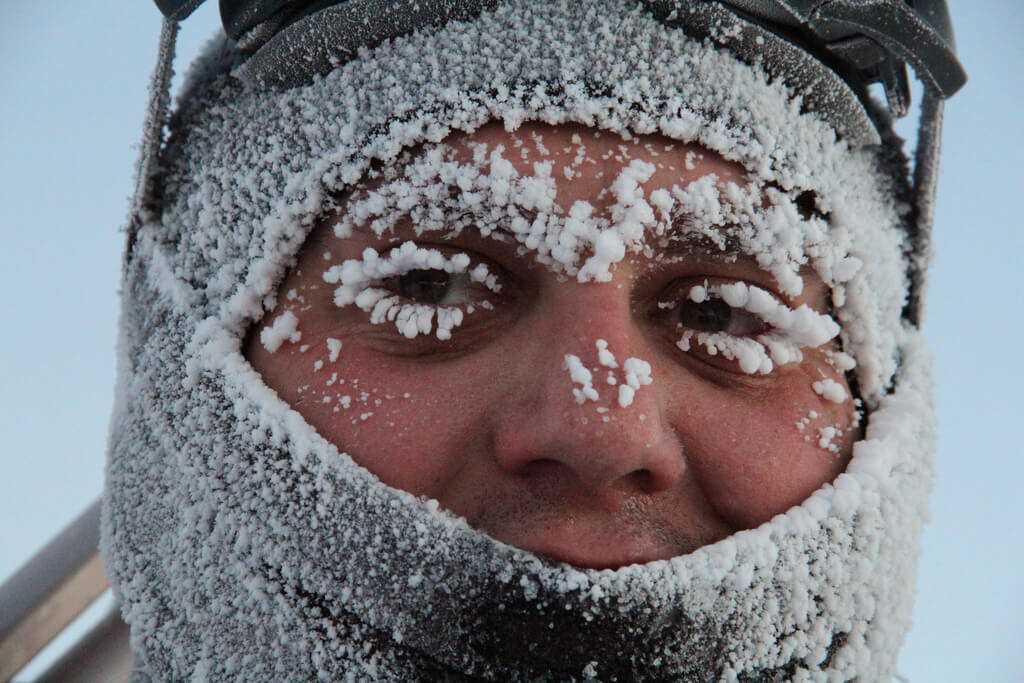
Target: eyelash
<point>782,332</point>
<point>365,283</point>
<point>775,333</point>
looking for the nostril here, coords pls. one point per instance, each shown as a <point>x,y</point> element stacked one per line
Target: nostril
<point>661,473</point>
<point>644,480</point>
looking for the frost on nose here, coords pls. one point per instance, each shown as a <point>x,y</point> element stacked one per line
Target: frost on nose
<point>636,373</point>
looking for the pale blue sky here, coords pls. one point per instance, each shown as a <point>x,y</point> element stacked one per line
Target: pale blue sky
<point>73,77</point>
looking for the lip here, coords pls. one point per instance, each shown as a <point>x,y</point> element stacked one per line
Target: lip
<point>593,549</point>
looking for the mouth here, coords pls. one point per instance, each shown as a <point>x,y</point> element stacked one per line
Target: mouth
<point>587,533</point>
<point>586,546</point>
<point>617,560</point>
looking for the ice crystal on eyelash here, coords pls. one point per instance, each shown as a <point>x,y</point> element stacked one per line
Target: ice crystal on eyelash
<point>751,354</point>
<point>411,319</point>
<point>793,329</point>
<point>803,326</point>
<point>841,361</point>
<point>781,349</point>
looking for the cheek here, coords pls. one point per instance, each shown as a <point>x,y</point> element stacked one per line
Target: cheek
<point>406,422</point>
<point>758,457</point>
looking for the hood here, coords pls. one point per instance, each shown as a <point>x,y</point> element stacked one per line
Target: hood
<point>243,545</point>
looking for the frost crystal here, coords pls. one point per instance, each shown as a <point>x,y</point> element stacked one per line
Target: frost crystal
<point>333,349</point>
<point>579,374</point>
<point>792,329</point>
<point>284,328</point>
<point>830,390</point>
<point>605,357</point>
<point>638,374</point>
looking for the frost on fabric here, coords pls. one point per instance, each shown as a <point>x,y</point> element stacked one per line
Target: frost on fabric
<point>242,545</point>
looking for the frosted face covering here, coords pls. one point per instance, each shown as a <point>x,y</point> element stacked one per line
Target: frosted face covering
<point>245,543</point>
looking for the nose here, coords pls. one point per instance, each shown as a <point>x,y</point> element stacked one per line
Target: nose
<point>594,441</point>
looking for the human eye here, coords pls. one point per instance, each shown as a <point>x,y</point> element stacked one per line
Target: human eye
<point>433,287</point>
<point>741,327</point>
<point>421,291</point>
<point>704,311</point>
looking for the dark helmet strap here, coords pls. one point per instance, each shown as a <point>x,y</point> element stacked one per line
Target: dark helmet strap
<point>926,175</point>
<point>178,9</point>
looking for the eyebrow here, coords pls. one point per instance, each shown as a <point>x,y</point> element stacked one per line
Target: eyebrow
<point>685,237</point>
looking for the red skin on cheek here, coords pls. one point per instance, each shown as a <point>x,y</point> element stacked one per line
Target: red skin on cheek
<point>753,461</point>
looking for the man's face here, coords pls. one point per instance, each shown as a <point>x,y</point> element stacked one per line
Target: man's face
<point>500,423</point>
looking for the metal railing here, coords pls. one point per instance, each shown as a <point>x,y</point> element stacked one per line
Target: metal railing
<point>49,591</point>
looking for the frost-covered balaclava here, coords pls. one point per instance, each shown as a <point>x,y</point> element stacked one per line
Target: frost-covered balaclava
<point>243,545</point>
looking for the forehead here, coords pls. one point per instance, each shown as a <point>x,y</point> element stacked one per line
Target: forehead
<point>581,200</point>
<point>586,161</point>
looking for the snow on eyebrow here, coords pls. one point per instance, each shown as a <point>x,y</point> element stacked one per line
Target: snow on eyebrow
<point>437,191</point>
